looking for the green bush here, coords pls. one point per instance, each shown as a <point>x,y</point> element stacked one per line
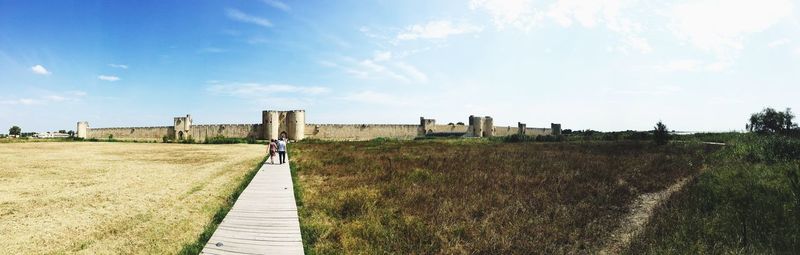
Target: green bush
<point>771,121</point>
<point>710,137</point>
<point>661,134</point>
<point>516,138</point>
<point>765,148</point>
<point>225,140</point>
<point>188,140</point>
<point>592,135</point>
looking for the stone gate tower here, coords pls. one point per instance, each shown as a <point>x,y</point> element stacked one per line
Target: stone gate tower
<point>182,127</point>
<point>481,126</point>
<point>291,124</point>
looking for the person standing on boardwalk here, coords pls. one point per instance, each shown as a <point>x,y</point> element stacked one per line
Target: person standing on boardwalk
<point>272,149</point>
<point>282,150</point>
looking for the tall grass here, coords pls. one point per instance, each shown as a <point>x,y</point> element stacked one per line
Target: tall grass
<point>475,196</point>
<point>748,202</point>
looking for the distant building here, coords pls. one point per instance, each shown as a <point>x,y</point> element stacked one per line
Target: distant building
<point>51,135</point>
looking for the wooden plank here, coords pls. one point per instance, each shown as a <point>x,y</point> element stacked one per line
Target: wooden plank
<point>263,220</point>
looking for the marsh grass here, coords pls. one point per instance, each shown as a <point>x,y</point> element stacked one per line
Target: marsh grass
<point>747,202</point>
<point>475,196</point>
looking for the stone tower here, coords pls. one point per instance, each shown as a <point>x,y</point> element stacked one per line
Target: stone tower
<point>555,128</point>
<point>426,126</point>
<point>182,127</point>
<point>488,127</point>
<point>270,122</point>
<point>296,124</point>
<point>522,128</point>
<point>291,123</point>
<point>83,128</point>
<point>481,126</point>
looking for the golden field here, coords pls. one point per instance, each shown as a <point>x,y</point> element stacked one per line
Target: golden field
<point>114,198</point>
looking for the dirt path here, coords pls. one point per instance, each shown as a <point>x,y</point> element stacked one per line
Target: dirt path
<point>641,211</point>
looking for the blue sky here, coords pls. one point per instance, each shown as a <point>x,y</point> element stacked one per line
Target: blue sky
<point>604,65</point>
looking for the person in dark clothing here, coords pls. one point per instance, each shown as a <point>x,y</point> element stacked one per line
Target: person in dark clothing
<point>282,150</point>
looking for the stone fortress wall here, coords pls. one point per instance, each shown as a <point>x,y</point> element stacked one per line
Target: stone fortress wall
<point>359,132</point>
<point>130,133</point>
<point>292,125</point>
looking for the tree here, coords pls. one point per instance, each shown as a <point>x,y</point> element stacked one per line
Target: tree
<point>771,121</point>
<point>661,134</point>
<point>71,133</point>
<point>14,130</point>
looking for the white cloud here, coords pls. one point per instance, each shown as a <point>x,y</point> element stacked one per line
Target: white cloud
<point>55,98</point>
<point>277,4</point>
<point>516,13</point>
<point>252,89</point>
<point>381,66</point>
<point>371,68</point>
<point>39,69</point>
<point>76,93</point>
<point>721,26</point>
<point>438,29</point>
<point>377,98</point>
<point>680,65</point>
<point>637,43</point>
<point>651,91</point>
<point>118,66</point>
<point>719,65</point>
<point>69,96</point>
<point>108,77</point>
<point>21,101</point>
<point>238,15</point>
<point>412,72</point>
<point>694,65</point>
<point>779,42</point>
<point>591,14</point>
<point>381,56</point>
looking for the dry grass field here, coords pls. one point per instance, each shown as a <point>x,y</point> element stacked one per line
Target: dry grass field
<point>465,197</point>
<point>114,198</point>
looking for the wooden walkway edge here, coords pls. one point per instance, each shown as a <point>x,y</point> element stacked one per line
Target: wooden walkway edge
<point>263,219</point>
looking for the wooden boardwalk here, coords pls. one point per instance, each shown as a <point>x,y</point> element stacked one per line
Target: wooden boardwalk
<point>264,218</point>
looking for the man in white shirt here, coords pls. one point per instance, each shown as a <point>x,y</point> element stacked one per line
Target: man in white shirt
<point>282,150</point>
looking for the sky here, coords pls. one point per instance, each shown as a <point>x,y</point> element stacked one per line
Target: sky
<point>700,65</point>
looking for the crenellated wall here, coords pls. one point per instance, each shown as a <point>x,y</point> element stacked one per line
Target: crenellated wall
<point>202,132</point>
<point>448,129</point>
<point>360,132</point>
<point>505,131</point>
<point>130,133</point>
<point>291,124</point>
<point>538,131</point>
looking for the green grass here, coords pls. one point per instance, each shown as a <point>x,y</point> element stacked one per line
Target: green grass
<point>477,196</point>
<point>748,202</point>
